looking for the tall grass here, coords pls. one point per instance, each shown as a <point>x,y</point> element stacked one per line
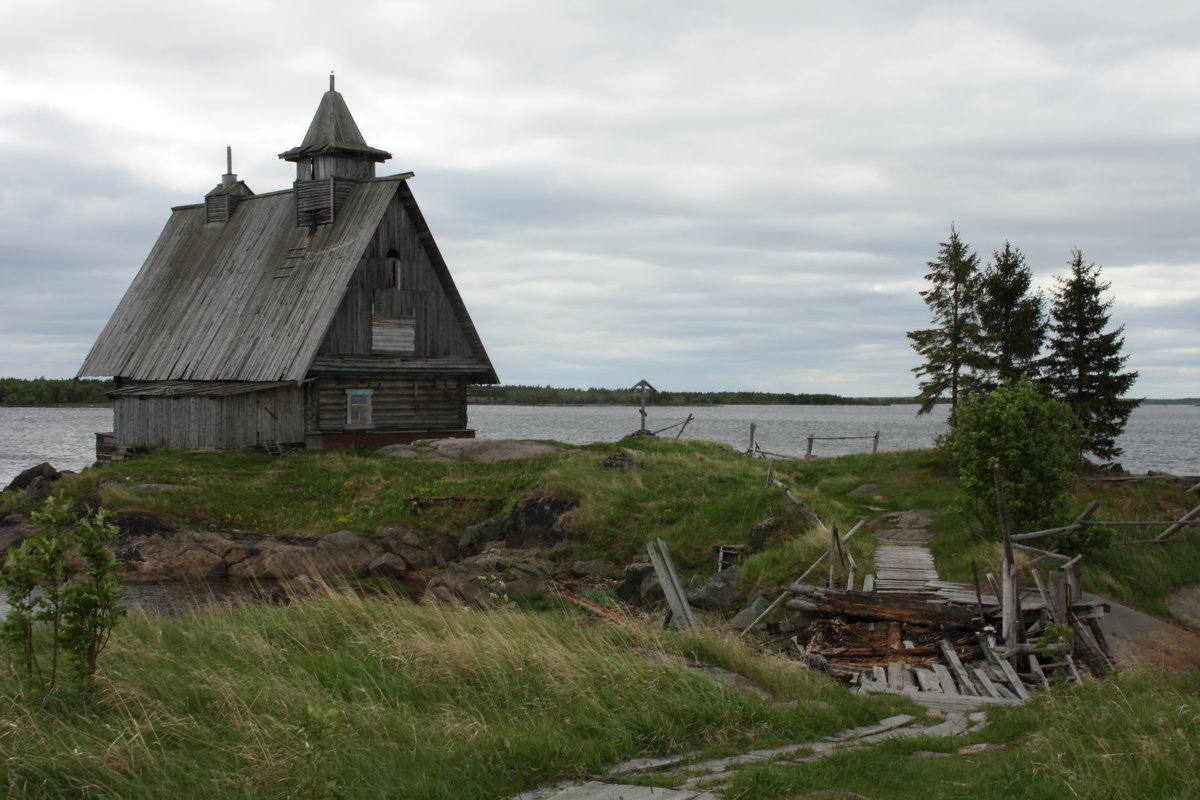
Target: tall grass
<point>1124,738</point>
<point>344,696</point>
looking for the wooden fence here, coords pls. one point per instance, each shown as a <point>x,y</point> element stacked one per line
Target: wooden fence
<point>753,450</point>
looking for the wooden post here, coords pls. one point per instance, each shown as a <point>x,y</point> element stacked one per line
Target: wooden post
<point>875,444</point>
<point>1074,571</point>
<point>770,472</point>
<point>750,447</point>
<point>978,591</point>
<point>1060,601</point>
<point>833,545</point>
<point>1010,601</point>
<point>808,450</point>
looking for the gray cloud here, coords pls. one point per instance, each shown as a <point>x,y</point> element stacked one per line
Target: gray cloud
<point>710,195</point>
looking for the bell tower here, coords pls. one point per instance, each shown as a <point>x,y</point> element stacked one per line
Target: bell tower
<point>332,157</point>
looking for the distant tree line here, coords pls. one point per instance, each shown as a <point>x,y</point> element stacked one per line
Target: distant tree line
<point>549,395</point>
<point>54,392</point>
<point>991,330</point>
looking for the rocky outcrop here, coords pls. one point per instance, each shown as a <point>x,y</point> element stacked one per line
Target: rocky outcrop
<point>36,479</point>
<point>159,553</point>
<point>476,537</point>
<point>714,592</point>
<point>171,555</point>
<point>538,521</point>
<point>339,553</point>
<point>489,579</point>
<point>641,585</point>
<point>760,533</point>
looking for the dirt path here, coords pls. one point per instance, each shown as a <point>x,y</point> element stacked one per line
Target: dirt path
<point>1140,640</point>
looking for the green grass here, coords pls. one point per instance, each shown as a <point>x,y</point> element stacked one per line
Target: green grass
<point>694,495</point>
<point>345,697</point>
<point>1124,738</point>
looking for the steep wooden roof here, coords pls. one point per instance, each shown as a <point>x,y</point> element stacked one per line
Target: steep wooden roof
<point>252,299</point>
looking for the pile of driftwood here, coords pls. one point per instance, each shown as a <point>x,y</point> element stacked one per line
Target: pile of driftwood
<point>947,640</point>
<point>908,632</point>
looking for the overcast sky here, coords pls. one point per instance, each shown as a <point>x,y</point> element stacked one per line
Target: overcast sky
<point>707,195</point>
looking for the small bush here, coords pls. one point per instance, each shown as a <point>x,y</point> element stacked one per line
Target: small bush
<point>1028,435</point>
<point>64,578</point>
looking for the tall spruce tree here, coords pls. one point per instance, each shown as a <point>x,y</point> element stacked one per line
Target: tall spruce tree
<point>1012,324</point>
<point>949,347</point>
<point>1084,364</point>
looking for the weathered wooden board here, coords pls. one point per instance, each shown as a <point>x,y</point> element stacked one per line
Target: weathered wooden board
<point>660,557</point>
<point>876,605</point>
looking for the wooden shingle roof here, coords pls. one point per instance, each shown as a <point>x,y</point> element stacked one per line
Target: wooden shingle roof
<point>250,299</point>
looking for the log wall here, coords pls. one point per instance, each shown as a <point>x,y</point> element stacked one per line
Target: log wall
<point>397,404</point>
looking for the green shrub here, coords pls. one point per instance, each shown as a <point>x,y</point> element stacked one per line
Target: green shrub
<point>62,577</point>
<point>1028,435</point>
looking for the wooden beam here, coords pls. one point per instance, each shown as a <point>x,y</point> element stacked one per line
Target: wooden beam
<point>660,557</point>
<point>877,606</point>
<point>1169,532</point>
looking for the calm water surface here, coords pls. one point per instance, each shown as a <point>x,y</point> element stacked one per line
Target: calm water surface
<point>1161,438</point>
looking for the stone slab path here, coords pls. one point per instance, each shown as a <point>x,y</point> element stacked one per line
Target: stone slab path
<point>699,780</point>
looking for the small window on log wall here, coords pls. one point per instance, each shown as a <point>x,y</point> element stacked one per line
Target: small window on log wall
<point>393,335</point>
<point>358,408</point>
<point>393,262</point>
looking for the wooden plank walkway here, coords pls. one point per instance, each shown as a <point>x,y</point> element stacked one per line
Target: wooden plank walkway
<point>904,568</point>
<point>904,565</point>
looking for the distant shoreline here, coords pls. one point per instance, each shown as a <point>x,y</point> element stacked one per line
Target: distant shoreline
<point>91,393</point>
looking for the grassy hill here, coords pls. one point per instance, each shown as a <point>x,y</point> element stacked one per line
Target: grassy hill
<point>348,695</point>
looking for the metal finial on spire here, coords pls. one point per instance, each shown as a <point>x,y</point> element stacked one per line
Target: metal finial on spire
<point>229,160</point>
<point>331,80</point>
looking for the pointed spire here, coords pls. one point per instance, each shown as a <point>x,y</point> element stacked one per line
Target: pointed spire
<point>334,132</point>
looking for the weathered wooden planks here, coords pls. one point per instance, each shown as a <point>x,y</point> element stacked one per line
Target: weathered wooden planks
<point>876,605</point>
<point>903,568</point>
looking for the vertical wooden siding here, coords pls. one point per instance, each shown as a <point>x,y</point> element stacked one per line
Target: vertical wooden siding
<point>202,422</point>
<point>397,278</point>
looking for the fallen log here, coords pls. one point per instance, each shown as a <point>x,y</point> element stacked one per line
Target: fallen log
<point>876,606</point>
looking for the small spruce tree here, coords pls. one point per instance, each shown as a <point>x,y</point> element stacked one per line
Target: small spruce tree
<point>1084,363</point>
<point>949,347</point>
<point>1012,325</point>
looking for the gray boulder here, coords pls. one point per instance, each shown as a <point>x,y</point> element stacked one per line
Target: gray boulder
<point>478,536</point>
<point>408,544</point>
<point>27,477</point>
<point>490,579</point>
<point>37,490</point>
<point>759,534</point>
<point>714,592</point>
<point>755,606</point>
<point>598,567</point>
<point>537,522</point>
<point>641,585</point>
